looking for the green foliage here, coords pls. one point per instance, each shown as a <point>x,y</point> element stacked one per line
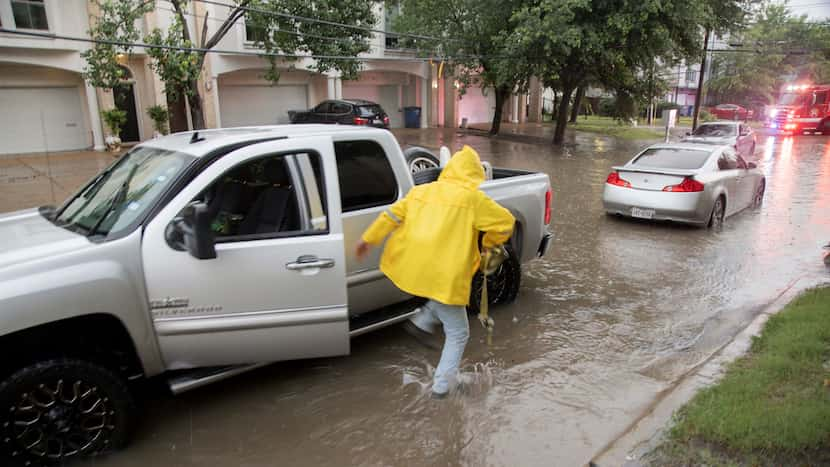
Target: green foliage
<point>778,47</point>
<point>278,34</point>
<point>774,401</point>
<point>178,69</point>
<point>160,117</point>
<point>615,43</point>
<point>114,119</point>
<point>116,22</point>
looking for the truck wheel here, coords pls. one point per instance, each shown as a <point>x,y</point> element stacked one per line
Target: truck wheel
<point>419,159</point>
<point>502,287</point>
<point>58,410</point>
<point>824,127</point>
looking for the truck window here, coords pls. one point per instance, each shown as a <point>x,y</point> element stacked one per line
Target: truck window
<point>366,177</point>
<point>260,199</point>
<point>821,98</point>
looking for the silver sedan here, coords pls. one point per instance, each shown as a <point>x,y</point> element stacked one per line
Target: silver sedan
<point>691,183</point>
<point>737,134</point>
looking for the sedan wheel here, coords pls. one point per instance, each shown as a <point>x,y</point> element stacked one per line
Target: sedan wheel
<point>718,212</point>
<point>759,194</point>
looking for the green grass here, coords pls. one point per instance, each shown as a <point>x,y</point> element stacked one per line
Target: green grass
<point>611,127</point>
<point>773,405</point>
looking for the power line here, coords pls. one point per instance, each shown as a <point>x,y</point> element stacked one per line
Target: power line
<point>329,23</point>
<point>233,52</point>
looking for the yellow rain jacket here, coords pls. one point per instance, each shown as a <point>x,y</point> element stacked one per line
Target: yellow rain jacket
<point>433,250</point>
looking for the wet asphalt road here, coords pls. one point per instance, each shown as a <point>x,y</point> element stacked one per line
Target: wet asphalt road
<point>615,313</point>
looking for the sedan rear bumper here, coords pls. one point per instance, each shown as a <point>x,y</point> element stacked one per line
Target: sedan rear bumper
<point>688,208</point>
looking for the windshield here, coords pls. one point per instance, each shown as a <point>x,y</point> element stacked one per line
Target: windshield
<point>791,98</point>
<point>672,158</point>
<point>716,130</point>
<point>122,194</point>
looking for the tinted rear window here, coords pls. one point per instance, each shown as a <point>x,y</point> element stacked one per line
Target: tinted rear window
<point>369,110</point>
<point>672,158</point>
<point>716,130</point>
<point>366,178</point>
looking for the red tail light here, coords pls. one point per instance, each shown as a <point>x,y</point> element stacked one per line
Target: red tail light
<point>688,185</point>
<point>361,121</point>
<point>548,199</point>
<point>386,121</point>
<point>614,179</point>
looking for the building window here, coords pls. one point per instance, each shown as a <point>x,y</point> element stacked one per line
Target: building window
<point>393,10</point>
<point>253,33</point>
<point>30,14</point>
<point>691,75</point>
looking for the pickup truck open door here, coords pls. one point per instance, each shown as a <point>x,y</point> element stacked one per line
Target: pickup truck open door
<point>276,289</point>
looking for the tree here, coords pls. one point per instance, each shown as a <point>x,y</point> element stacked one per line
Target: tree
<point>178,58</point>
<point>474,38</point>
<point>776,48</point>
<point>613,42</point>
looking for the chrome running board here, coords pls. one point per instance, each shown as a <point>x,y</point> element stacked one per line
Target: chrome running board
<point>203,376</point>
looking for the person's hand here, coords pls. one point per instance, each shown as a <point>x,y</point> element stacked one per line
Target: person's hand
<point>362,250</point>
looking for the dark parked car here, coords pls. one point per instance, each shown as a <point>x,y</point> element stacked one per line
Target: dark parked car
<point>346,112</point>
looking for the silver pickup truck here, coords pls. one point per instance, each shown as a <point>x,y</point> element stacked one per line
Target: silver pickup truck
<point>201,255</point>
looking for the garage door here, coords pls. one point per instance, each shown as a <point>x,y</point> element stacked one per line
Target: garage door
<point>260,105</point>
<point>41,119</point>
<point>386,96</point>
<point>476,107</point>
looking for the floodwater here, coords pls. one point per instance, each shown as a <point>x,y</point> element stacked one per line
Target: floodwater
<point>613,315</point>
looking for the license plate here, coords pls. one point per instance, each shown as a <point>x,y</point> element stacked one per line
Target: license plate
<point>642,213</point>
<point>377,121</point>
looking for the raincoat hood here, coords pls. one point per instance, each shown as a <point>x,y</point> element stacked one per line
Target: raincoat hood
<point>464,168</point>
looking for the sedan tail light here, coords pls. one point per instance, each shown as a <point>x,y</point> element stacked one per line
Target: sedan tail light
<point>386,120</point>
<point>614,179</point>
<point>361,121</point>
<point>688,185</point>
<point>548,199</point>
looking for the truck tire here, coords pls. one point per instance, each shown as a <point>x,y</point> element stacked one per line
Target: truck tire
<point>824,127</point>
<point>418,159</point>
<point>55,411</point>
<point>502,287</point>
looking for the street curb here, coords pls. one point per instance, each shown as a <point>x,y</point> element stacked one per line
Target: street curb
<point>646,431</point>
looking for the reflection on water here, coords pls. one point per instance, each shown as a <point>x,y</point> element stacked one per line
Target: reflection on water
<point>615,312</point>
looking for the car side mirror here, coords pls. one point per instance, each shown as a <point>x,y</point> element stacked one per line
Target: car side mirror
<point>751,165</point>
<point>688,133</point>
<point>191,232</point>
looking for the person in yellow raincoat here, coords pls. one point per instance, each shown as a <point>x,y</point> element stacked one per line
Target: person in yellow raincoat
<point>433,251</point>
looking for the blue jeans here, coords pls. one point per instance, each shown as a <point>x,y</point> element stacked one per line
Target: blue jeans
<point>456,332</point>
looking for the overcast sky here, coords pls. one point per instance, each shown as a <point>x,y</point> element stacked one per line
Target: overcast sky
<point>814,9</point>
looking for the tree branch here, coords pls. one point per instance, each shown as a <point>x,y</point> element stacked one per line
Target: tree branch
<point>204,30</point>
<point>185,30</point>
<point>232,18</point>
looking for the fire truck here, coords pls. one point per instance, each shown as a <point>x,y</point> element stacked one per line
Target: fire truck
<point>801,108</point>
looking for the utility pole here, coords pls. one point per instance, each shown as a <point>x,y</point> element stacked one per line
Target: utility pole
<point>699,93</point>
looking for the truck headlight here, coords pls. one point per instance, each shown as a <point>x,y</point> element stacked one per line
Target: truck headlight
<point>772,112</point>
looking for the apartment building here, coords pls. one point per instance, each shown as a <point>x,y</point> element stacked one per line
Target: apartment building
<point>45,105</point>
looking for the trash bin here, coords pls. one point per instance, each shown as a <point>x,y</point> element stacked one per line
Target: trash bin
<point>412,117</point>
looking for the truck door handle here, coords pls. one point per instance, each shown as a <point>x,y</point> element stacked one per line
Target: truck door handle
<point>309,262</point>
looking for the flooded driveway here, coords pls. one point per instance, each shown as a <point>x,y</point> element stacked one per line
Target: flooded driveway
<point>612,316</point>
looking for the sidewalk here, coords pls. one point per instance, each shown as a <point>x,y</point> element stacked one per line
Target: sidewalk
<point>39,179</point>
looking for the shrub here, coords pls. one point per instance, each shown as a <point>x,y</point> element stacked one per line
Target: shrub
<point>114,119</point>
<point>160,117</point>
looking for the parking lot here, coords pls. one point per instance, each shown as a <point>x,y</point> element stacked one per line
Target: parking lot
<point>614,314</point>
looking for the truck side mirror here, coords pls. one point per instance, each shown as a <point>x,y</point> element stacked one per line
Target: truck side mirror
<point>191,231</point>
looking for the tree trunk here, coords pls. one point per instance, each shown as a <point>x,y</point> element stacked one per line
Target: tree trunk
<point>562,117</point>
<point>580,93</point>
<point>555,111</point>
<point>197,114</point>
<point>502,93</point>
